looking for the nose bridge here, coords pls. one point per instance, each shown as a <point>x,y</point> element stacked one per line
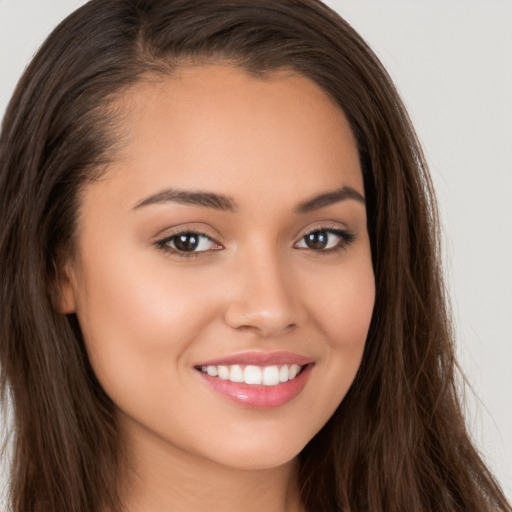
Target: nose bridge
<point>263,298</point>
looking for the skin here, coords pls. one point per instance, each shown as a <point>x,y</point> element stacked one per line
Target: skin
<point>148,315</point>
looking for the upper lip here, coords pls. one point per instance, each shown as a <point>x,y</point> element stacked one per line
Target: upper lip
<point>259,359</point>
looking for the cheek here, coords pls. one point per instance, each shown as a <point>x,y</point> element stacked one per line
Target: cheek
<point>342,304</point>
<point>350,320</point>
<point>138,321</point>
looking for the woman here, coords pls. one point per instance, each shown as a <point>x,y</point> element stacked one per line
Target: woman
<point>220,281</point>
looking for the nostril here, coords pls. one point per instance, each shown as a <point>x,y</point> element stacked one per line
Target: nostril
<point>263,322</point>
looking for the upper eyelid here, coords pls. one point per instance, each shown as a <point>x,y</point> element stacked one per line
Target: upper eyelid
<point>166,234</point>
<point>163,240</point>
<point>337,231</point>
<point>328,226</point>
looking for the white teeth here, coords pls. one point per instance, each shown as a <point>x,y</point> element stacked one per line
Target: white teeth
<point>270,376</point>
<point>236,374</point>
<point>212,370</point>
<point>284,374</point>
<point>252,375</point>
<point>294,369</point>
<point>223,372</point>
<point>267,375</point>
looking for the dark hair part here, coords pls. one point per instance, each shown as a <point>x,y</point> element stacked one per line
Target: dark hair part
<point>398,440</point>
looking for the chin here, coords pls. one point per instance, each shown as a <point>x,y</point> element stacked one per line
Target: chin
<point>256,454</point>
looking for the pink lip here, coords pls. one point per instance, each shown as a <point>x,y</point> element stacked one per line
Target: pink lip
<point>259,359</point>
<point>259,396</point>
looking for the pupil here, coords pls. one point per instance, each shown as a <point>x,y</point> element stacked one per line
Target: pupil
<point>186,242</point>
<point>317,240</point>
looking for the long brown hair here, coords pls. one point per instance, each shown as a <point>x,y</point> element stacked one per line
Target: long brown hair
<point>398,440</point>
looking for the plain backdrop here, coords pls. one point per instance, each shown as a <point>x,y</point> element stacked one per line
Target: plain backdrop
<point>452,63</point>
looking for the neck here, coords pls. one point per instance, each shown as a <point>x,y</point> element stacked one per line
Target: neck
<point>160,477</point>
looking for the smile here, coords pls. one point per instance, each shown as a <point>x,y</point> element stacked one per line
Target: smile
<point>257,380</point>
<point>254,375</point>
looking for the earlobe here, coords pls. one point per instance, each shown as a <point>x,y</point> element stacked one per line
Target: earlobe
<point>66,299</point>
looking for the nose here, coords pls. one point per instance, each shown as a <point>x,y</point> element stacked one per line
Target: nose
<point>264,297</point>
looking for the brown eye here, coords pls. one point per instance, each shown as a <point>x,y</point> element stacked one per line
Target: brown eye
<point>324,240</point>
<point>186,242</point>
<point>317,240</point>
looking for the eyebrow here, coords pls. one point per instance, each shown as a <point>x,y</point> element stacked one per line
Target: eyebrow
<point>206,199</point>
<point>323,200</point>
<point>224,203</point>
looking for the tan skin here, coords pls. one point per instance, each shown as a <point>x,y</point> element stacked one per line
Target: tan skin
<point>253,281</point>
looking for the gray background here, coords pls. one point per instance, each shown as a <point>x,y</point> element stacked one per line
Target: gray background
<point>452,62</point>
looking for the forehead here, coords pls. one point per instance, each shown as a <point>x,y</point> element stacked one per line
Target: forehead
<point>216,126</point>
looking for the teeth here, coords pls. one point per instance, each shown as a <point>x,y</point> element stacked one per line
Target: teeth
<point>284,374</point>
<point>270,376</point>
<point>236,374</point>
<point>212,370</point>
<point>267,375</point>
<point>223,372</point>
<point>294,369</point>
<point>252,375</point>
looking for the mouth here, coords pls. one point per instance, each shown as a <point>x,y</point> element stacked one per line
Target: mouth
<point>259,381</point>
<point>254,375</point>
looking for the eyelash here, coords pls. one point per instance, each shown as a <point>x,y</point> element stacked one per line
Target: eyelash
<point>346,238</point>
<point>164,244</point>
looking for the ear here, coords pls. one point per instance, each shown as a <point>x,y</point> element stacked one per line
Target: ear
<point>65,302</point>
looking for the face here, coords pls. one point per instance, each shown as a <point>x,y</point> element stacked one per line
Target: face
<point>223,278</point>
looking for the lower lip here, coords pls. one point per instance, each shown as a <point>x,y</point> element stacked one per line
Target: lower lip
<point>259,396</point>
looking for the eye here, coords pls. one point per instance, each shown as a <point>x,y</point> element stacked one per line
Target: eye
<point>188,243</point>
<point>325,239</point>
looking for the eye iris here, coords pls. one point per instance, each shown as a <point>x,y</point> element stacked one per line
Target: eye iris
<point>186,242</point>
<point>317,240</point>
